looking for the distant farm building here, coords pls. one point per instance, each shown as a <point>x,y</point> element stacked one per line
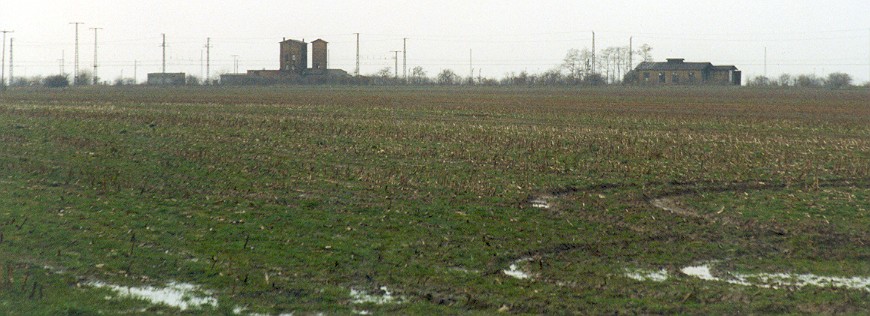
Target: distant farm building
<point>678,72</point>
<point>167,79</point>
<point>293,66</point>
<point>294,56</point>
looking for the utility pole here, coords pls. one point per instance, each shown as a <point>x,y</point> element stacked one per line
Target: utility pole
<point>471,66</point>
<point>76,60</point>
<point>765,62</point>
<point>593,52</point>
<point>96,77</point>
<point>11,65</point>
<point>631,52</point>
<point>356,72</point>
<point>396,59</point>
<point>136,71</point>
<point>235,63</point>
<point>405,59</point>
<point>201,64</point>
<point>3,61</point>
<point>164,52</point>
<point>207,60</point>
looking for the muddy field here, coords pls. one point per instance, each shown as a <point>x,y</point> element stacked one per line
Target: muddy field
<point>349,200</point>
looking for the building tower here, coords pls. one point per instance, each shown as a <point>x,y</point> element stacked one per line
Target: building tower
<point>294,56</point>
<point>319,55</point>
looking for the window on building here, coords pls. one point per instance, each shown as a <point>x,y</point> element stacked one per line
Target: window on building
<point>646,77</point>
<point>675,78</point>
<point>692,76</point>
<point>661,77</point>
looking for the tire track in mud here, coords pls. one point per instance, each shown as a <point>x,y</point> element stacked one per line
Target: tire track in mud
<point>661,199</point>
<point>664,200</point>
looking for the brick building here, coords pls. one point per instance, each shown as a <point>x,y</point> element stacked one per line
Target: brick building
<point>294,56</point>
<point>294,68</point>
<point>678,72</point>
<point>319,55</point>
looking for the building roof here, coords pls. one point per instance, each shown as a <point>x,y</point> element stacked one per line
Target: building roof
<point>729,67</point>
<point>319,40</point>
<point>292,41</point>
<point>679,64</point>
<point>673,66</point>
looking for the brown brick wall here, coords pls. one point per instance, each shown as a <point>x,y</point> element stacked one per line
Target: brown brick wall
<point>319,55</point>
<point>294,56</point>
<point>672,77</point>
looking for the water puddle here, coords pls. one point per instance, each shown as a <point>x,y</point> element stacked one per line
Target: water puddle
<point>179,295</point>
<point>647,275</point>
<point>540,203</point>
<point>703,272</point>
<point>514,269</point>
<point>779,280</point>
<point>383,296</point>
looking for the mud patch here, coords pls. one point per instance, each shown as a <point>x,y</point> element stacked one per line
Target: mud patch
<point>647,275</point>
<point>778,280</point>
<point>671,206</point>
<point>178,295</point>
<point>542,202</point>
<point>515,271</point>
<point>380,297</point>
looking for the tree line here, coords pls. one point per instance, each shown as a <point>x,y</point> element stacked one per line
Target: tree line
<point>579,67</point>
<point>836,80</point>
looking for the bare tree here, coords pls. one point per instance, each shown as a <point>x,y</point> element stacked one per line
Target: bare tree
<point>759,81</point>
<point>838,80</point>
<point>785,80</point>
<point>644,53</point>
<point>385,73</point>
<point>418,76</point>
<point>573,65</point>
<point>552,77</point>
<point>808,81</point>
<point>448,77</point>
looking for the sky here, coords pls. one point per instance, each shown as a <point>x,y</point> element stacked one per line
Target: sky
<point>495,37</point>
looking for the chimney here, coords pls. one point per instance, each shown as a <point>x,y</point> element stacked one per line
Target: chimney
<point>675,60</point>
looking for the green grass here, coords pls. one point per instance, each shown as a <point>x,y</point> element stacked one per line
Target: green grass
<point>425,191</point>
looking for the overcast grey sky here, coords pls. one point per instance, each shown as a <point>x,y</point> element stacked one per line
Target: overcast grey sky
<point>506,36</point>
